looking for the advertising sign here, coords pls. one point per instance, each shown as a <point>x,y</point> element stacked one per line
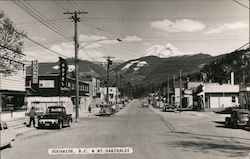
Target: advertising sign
<point>35,71</point>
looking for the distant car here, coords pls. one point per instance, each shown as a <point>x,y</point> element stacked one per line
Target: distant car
<point>120,105</point>
<point>238,117</point>
<point>105,109</point>
<point>55,116</point>
<point>145,104</point>
<point>7,135</point>
<point>168,108</point>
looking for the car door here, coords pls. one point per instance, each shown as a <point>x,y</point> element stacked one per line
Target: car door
<point>1,136</point>
<point>4,134</point>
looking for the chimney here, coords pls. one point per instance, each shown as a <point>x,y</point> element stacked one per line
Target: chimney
<point>232,78</point>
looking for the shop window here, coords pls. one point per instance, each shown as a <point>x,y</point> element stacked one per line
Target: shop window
<point>46,84</point>
<point>28,83</point>
<point>111,96</point>
<point>233,99</point>
<point>5,127</point>
<point>13,102</point>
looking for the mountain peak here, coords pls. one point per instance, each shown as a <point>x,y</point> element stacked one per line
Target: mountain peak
<point>163,51</point>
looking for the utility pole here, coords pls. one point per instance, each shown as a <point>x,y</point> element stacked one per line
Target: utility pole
<point>116,85</point>
<point>168,91</point>
<point>109,63</point>
<point>180,91</point>
<point>76,19</point>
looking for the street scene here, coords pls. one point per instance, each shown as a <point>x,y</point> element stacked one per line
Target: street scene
<point>124,79</point>
<point>150,132</point>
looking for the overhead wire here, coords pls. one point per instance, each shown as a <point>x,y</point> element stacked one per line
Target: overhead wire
<point>38,17</point>
<point>243,5</point>
<point>48,20</point>
<point>26,37</point>
<point>18,52</point>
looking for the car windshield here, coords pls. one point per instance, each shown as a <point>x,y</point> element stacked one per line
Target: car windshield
<point>55,110</point>
<point>243,113</point>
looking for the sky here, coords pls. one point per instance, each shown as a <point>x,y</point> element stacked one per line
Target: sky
<point>192,26</point>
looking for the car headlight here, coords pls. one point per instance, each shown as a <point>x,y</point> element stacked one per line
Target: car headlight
<point>56,121</point>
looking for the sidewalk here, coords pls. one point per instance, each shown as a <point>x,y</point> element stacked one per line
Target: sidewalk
<point>22,131</point>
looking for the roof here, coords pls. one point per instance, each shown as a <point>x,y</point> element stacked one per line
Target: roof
<point>56,107</point>
<point>220,88</point>
<point>241,110</point>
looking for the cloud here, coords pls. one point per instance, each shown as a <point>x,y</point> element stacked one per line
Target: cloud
<point>133,38</point>
<point>184,25</point>
<point>228,26</point>
<point>90,46</point>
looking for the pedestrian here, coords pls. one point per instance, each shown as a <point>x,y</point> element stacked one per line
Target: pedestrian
<point>90,108</point>
<point>32,115</point>
<point>113,109</point>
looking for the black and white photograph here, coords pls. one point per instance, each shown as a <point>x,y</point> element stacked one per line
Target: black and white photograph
<point>124,79</point>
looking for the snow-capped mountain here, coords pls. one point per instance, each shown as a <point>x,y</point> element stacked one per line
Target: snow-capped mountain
<point>163,51</point>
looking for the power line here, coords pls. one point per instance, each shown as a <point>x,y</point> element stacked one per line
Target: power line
<point>32,40</point>
<point>12,50</point>
<point>241,4</point>
<point>39,17</point>
<point>11,60</point>
<point>59,5</point>
<point>47,20</point>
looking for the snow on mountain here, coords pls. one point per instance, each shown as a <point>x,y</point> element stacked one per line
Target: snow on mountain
<point>129,64</point>
<point>163,51</point>
<point>140,64</point>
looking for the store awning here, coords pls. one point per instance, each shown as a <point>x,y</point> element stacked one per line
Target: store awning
<point>13,92</point>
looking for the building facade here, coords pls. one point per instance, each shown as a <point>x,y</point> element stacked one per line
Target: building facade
<point>94,91</point>
<point>47,92</point>
<point>114,94</point>
<point>12,95</point>
<point>244,96</point>
<point>215,95</point>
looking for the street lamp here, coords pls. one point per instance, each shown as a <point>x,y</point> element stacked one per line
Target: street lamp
<point>119,40</point>
<point>77,82</point>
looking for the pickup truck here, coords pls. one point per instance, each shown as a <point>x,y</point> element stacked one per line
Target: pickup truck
<point>55,117</point>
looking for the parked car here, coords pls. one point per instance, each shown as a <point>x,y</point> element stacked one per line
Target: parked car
<point>238,117</point>
<point>145,103</point>
<point>55,116</point>
<point>168,107</point>
<point>105,109</point>
<point>7,135</point>
<point>120,105</point>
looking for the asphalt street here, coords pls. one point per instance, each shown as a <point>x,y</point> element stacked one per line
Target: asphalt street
<point>151,133</point>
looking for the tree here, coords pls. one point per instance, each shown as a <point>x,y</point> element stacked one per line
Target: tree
<point>11,46</point>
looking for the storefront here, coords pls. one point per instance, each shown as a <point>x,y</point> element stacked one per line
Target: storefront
<point>12,95</point>
<point>13,104</point>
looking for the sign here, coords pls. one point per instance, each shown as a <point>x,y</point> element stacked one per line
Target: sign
<point>35,71</point>
<point>63,73</point>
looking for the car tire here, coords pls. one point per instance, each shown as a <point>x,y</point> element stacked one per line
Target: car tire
<point>11,144</point>
<point>60,125</point>
<point>235,126</point>
<point>69,123</point>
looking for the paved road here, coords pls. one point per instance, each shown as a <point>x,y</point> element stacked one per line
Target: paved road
<point>151,133</point>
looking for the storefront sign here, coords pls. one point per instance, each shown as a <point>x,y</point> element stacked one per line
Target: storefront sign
<point>35,71</point>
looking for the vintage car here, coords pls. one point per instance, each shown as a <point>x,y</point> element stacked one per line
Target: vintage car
<point>145,103</point>
<point>120,105</point>
<point>55,116</point>
<point>168,108</point>
<point>238,117</point>
<point>7,135</point>
<point>105,110</point>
